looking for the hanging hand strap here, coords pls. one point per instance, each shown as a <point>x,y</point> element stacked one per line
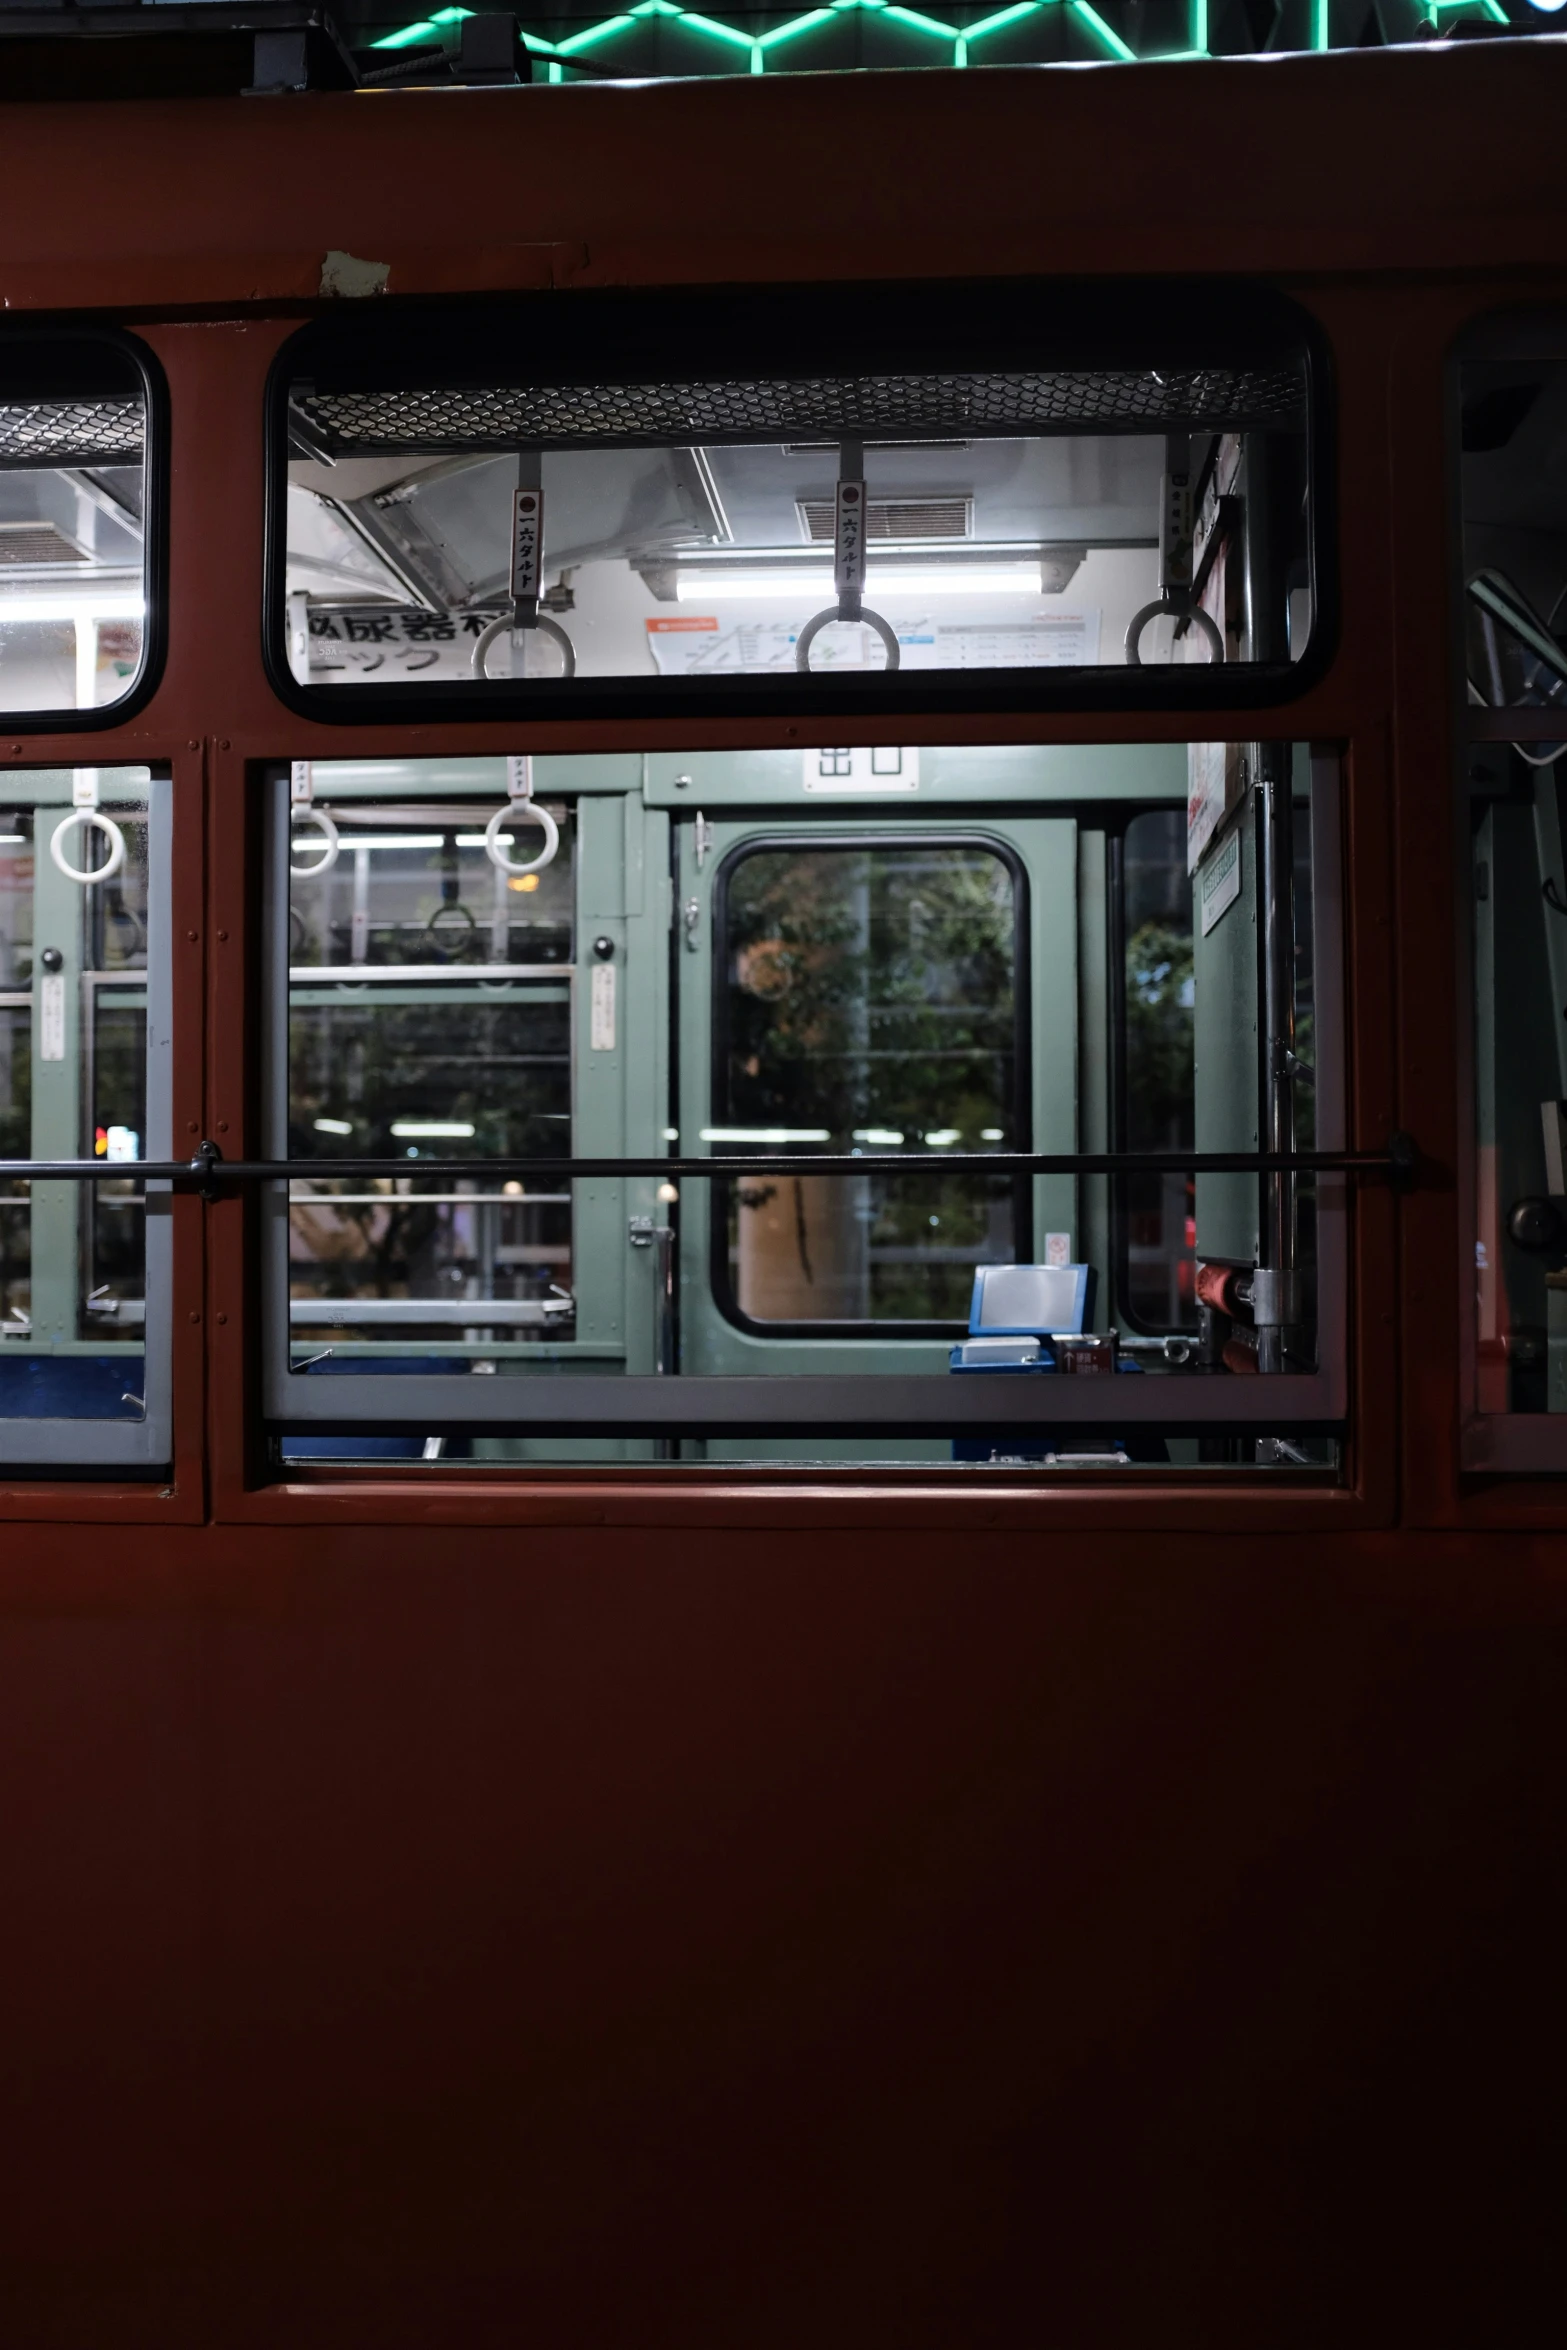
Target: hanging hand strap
<point>527,558</point>
<point>848,560</point>
<point>86,813</point>
<point>521,808</point>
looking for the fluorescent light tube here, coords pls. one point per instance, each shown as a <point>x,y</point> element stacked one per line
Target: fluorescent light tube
<point>943,1136</point>
<point>77,607</point>
<point>333,1126</point>
<point>884,1137</point>
<point>721,581</point>
<point>432,1129</point>
<point>388,840</point>
<point>762,1134</point>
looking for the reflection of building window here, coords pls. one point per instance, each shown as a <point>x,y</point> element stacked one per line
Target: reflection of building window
<point>868,1003</point>
<point>886,762</point>
<point>835,763</point>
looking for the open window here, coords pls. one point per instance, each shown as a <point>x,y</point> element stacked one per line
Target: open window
<point>1511,384</point>
<point>996,499</point>
<point>84,1086</point>
<point>79,527</point>
<point>667,1109</point>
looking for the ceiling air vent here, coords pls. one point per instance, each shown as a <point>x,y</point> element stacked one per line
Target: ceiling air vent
<point>894,518</point>
<point>35,542</point>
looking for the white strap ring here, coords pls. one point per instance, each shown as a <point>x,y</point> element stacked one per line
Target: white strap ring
<point>314,865</point>
<point>541,817</point>
<point>95,818</point>
<point>1199,619</point>
<point>808,635</point>
<point>545,626</point>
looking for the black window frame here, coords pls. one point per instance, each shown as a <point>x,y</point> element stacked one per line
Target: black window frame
<point>857,834</point>
<point>61,335</point>
<point>751,333</point>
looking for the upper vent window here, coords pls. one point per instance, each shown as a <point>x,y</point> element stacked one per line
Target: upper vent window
<point>747,501</point>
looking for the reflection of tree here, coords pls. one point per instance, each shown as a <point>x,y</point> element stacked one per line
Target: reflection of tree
<point>1159,1036</point>
<point>873,990</point>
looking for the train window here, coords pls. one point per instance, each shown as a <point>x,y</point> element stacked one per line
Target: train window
<point>84,1044</point>
<point>507,509</point>
<point>869,999</point>
<point>793,1106</point>
<point>76,524</point>
<point>1512,399</point>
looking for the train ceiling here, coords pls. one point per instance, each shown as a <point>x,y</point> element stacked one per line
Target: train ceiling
<point>205,47</point>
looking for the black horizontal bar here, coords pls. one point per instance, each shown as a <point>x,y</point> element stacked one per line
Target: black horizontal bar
<point>209,1167</point>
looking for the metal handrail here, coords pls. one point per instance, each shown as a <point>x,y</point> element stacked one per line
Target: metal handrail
<point>1398,1161</point>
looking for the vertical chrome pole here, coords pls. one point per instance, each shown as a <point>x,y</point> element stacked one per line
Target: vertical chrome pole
<point>1276,1283</point>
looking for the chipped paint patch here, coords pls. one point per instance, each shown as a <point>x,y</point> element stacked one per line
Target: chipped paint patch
<point>342,275</point>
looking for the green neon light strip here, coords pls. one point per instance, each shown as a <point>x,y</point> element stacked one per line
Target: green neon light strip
<point>1113,42</point>
<point>960,37</point>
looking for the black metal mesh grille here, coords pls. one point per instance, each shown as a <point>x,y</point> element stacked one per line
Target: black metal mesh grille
<point>71,432</point>
<point>872,406</point>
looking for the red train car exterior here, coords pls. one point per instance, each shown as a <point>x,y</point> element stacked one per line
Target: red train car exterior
<point>737,1910</point>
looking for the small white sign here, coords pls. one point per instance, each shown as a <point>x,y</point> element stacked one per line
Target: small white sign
<point>867,767</point>
<point>51,1016</point>
<point>1220,883</point>
<point>1058,1248</point>
<point>1215,786</point>
<point>601,1008</point>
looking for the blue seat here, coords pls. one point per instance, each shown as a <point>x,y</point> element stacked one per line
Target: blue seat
<point>70,1387</point>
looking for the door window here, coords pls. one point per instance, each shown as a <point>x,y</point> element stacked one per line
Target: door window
<point>869,1000</point>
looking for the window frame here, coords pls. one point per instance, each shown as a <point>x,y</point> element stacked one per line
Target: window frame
<point>743,331</point>
<point>155,500</point>
<point>832,1404</point>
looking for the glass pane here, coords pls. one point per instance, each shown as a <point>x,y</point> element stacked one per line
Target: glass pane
<point>74,1085</point>
<point>1036,515</point>
<point>72,525</point>
<point>869,1004</point>
<point>431,1060</point>
<point>416,887</point>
